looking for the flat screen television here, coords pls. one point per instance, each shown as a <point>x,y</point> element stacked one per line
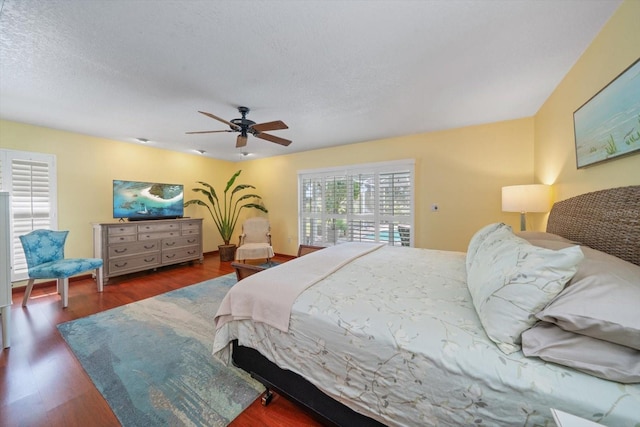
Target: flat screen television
<point>136,200</point>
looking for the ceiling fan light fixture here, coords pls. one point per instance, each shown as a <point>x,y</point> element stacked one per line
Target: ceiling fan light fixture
<point>248,127</point>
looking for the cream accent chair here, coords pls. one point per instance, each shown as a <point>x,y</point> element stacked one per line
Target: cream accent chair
<point>255,240</point>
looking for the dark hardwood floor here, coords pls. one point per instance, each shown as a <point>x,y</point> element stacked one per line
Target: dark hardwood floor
<point>43,384</point>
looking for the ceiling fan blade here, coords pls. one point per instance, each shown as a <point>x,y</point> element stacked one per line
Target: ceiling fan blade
<point>209,131</point>
<point>263,127</point>
<point>241,141</point>
<point>233,126</point>
<point>273,138</point>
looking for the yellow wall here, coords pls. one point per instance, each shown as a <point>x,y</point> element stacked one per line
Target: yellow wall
<point>462,170</point>
<point>613,50</point>
<point>87,165</point>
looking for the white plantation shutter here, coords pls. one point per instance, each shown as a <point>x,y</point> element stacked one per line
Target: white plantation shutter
<point>364,203</point>
<point>30,179</point>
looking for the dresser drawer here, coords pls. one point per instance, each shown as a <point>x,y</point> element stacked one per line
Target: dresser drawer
<point>190,231</point>
<point>129,249</point>
<point>120,230</point>
<point>172,255</point>
<point>191,225</point>
<point>180,242</point>
<point>134,263</point>
<point>163,226</point>
<point>122,239</point>
<point>161,235</point>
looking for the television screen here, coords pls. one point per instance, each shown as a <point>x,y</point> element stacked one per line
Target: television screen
<point>147,200</point>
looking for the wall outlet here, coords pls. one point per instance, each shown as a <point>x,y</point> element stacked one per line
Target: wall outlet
<point>435,207</point>
<point>289,239</point>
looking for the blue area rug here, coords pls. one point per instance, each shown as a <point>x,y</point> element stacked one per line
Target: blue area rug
<point>152,360</point>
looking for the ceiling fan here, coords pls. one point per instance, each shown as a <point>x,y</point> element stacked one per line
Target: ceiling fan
<point>246,127</point>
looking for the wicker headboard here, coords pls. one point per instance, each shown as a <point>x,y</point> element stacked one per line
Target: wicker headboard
<point>606,220</point>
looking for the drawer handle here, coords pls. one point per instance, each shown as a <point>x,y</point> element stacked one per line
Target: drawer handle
<point>192,241</point>
<point>121,238</point>
<point>149,247</point>
<point>171,256</point>
<point>149,259</point>
<point>191,252</point>
<point>169,243</point>
<point>121,251</point>
<point>122,265</point>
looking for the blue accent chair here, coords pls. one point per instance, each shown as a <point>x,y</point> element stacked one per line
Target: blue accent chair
<point>44,250</point>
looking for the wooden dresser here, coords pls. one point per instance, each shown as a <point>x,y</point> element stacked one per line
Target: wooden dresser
<point>127,247</point>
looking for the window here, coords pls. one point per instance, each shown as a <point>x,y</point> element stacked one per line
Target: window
<point>359,203</point>
<point>30,179</point>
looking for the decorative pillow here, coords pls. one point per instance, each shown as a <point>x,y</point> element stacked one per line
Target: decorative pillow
<point>511,280</point>
<point>478,238</point>
<point>602,300</point>
<point>593,356</point>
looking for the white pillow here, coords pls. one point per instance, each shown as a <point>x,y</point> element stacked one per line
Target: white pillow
<point>601,301</point>
<point>595,357</point>
<point>511,280</point>
<point>479,238</point>
<point>531,236</point>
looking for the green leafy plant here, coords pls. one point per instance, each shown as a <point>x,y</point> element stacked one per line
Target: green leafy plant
<point>225,212</point>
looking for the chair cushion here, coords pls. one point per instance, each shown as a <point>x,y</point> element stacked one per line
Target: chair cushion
<point>64,268</point>
<point>254,251</point>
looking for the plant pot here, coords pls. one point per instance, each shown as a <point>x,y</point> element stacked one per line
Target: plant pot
<point>227,252</point>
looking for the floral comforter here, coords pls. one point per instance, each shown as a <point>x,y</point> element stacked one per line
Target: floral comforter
<point>394,335</point>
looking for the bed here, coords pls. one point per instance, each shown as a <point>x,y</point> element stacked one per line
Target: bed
<point>404,336</point>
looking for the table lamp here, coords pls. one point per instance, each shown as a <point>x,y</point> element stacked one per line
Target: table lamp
<point>526,198</point>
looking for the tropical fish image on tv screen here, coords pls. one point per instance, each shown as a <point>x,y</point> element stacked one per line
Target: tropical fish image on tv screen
<point>135,200</point>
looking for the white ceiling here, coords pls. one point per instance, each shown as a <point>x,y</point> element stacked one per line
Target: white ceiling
<point>336,72</point>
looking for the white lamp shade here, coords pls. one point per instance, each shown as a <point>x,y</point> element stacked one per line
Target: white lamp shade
<point>526,198</point>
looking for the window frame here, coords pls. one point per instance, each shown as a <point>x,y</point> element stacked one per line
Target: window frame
<point>406,166</point>
<point>7,178</point>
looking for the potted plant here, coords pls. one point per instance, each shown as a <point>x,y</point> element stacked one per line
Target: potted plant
<point>225,212</point>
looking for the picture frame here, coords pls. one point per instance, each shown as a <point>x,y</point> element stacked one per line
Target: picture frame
<point>607,126</point>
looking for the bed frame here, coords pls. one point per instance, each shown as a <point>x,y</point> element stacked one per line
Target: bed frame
<point>606,220</point>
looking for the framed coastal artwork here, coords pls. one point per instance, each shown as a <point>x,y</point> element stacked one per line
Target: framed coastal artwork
<point>607,126</point>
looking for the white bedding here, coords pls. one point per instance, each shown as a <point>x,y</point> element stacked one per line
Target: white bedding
<point>394,335</point>
<point>268,298</point>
